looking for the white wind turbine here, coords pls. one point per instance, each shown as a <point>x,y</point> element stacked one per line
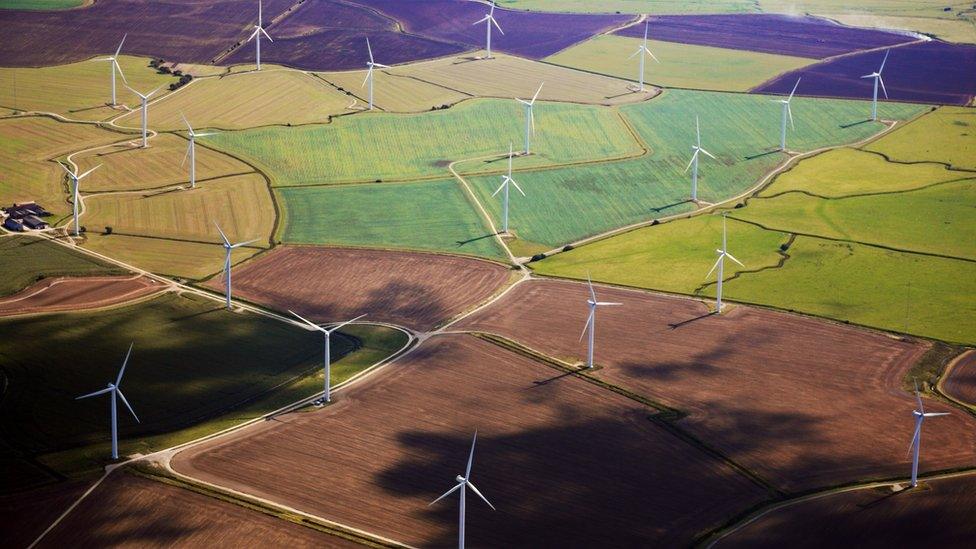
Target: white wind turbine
<point>920,416</point>
<point>506,181</point>
<point>75,179</point>
<point>694,161</point>
<point>228,248</point>
<point>191,151</point>
<point>787,113</point>
<point>114,60</point>
<point>489,20</point>
<point>145,113</point>
<point>116,392</point>
<point>258,31</point>
<point>720,265</point>
<point>877,80</point>
<point>369,73</point>
<point>591,321</point>
<point>529,116</point>
<point>464,482</point>
<point>641,51</point>
<point>327,392</point>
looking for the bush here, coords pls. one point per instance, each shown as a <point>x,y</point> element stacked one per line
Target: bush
<point>177,73</point>
<point>567,247</point>
<point>538,257</point>
<point>164,70</point>
<point>108,230</point>
<point>655,222</point>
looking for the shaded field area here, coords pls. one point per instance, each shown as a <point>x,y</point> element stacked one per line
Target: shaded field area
<point>400,451</point>
<point>416,290</point>
<point>127,509</point>
<point>26,260</point>
<point>937,514</point>
<point>750,371</point>
<point>70,294</point>
<point>810,37</point>
<point>930,72</point>
<point>24,515</point>
<point>961,383</point>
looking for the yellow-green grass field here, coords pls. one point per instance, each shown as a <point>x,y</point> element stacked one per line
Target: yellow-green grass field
<point>27,259</point>
<point>28,148</point>
<point>178,258</point>
<point>80,91</point>
<point>127,166</point>
<point>378,146</point>
<point>246,101</point>
<point>681,65</point>
<point>506,76</point>
<point>180,374</point>
<point>40,4</point>
<point>633,6</point>
<point>946,135</point>
<point>962,29</point>
<point>430,215</point>
<point>392,93</point>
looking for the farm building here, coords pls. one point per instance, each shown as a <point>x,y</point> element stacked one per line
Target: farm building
<point>20,210</point>
<point>12,224</point>
<point>34,222</point>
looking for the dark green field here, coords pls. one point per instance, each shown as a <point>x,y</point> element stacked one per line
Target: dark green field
<point>27,259</point>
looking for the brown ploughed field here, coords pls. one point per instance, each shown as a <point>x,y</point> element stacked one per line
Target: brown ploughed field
<point>939,513</point>
<point>25,515</point>
<point>415,290</point>
<point>565,462</point>
<point>126,510</point>
<point>803,402</point>
<point>72,294</point>
<point>961,383</point>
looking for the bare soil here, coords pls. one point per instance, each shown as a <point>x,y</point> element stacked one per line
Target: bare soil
<point>961,383</point>
<point>72,294</point>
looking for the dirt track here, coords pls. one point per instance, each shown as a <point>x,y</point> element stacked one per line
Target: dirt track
<point>803,402</point>
<point>415,290</point>
<point>72,294</point>
<point>961,383</point>
<point>565,462</point>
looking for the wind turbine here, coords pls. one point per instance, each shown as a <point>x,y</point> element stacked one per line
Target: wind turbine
<point>506,180</point>
<point>145,112</point>
<point>114,60</point>
<point>641,51</point>
<point>191,152</point>
<point>920,416</point>
<point>529,116</point>
<point>489,20</point>
<point>591,321</point>
<point>878,80</point>
<point>228,248</point>
<point>787,113</point>
<point>720,264</point>
<point>116,392</point>
<point>464,482</point>
<point>694,161</point>
<point>75,179</point>
<point>327,392</point>
<point>369,73</point>
<point>258,31</point>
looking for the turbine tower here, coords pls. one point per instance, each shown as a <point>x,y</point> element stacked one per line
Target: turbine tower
<point>787,113</point>
<point>920,416</point>
<point>369,73</point>
<point>878,80</point>
<point>641,51</point>
<point>228,248</point>
<point>464,482</point>
<point>191,151</point>
<point>529,117</point>
<point>720,264</point>
<point>590,326</point>
<point>116,392</point>
<point>258,31</point>
<point>145,113</point>
<point>506,181</point>
<point>694,161</point>
<point>327,392</point>
<point>489,20</point>
<point>114,60</point>
<point>75,179</point>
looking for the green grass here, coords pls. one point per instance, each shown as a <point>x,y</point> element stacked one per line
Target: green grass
<point>946,135</point>
<point>373,146</point>
<point>681,65</point>
<point>27,259</point>
<point>180,374</point>
<point>39,4</point>
<point>430,215</point>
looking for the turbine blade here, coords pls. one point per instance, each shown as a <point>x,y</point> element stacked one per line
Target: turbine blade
<point>222,235</point>
<point>517,186</point>
<point>266,35</point>
<point>915,437</point>
<point>480,495</point>
<point>496,25</point>
<point>381,65</point>
<point>447,493</point>
<point>692,161</point>
<point>482,20</point>
<point>150,94</point>
<point>652,55</point>
<point>881,81</point>
<point>369,73</point>
<point>730,256</point>
<point>127,405</point>
<point>119,68</point>
<point>187,122</point>
<point>789,111</point>
<point>715,266</point>
<point>239,244</point>
<point>335,328</point>
<point>937,414</point>
<point>868,76</point>
<point>883,61</point>
<point>307,321</point>
<point>255,33</point>
<point>698,131</point>
<point>589,282</point>
<point>96,393</point>
<point>708,154</point>
<point>119,50</point>
<point>537,92</point>
<point>532,119</point>
<point>918,397</point>
<point>635,53</point>
<point>125,362</point>
<point>607,303</point>
<point>370,49</point>
<point>66,170</point>
<point>586,326</point>
<point>500,187</point>
<point>84,175</point>
<point>523,101</point>
<point>467,470</point>
<point>205,134</point>
<point>795,86</point>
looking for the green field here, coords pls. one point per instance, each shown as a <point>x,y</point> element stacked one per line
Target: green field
<point>179,374</point>
<point>178,258</point>
<point>374,146</point>
<point>39,4</point>
<point>681,65</point>
<point>430,215</point>
<point>27,259</point>
<point>947,135</point>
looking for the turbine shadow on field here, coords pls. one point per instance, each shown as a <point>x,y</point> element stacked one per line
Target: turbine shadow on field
<point>858,123</point>
<point>762,154</point>
<point>462,243</point>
